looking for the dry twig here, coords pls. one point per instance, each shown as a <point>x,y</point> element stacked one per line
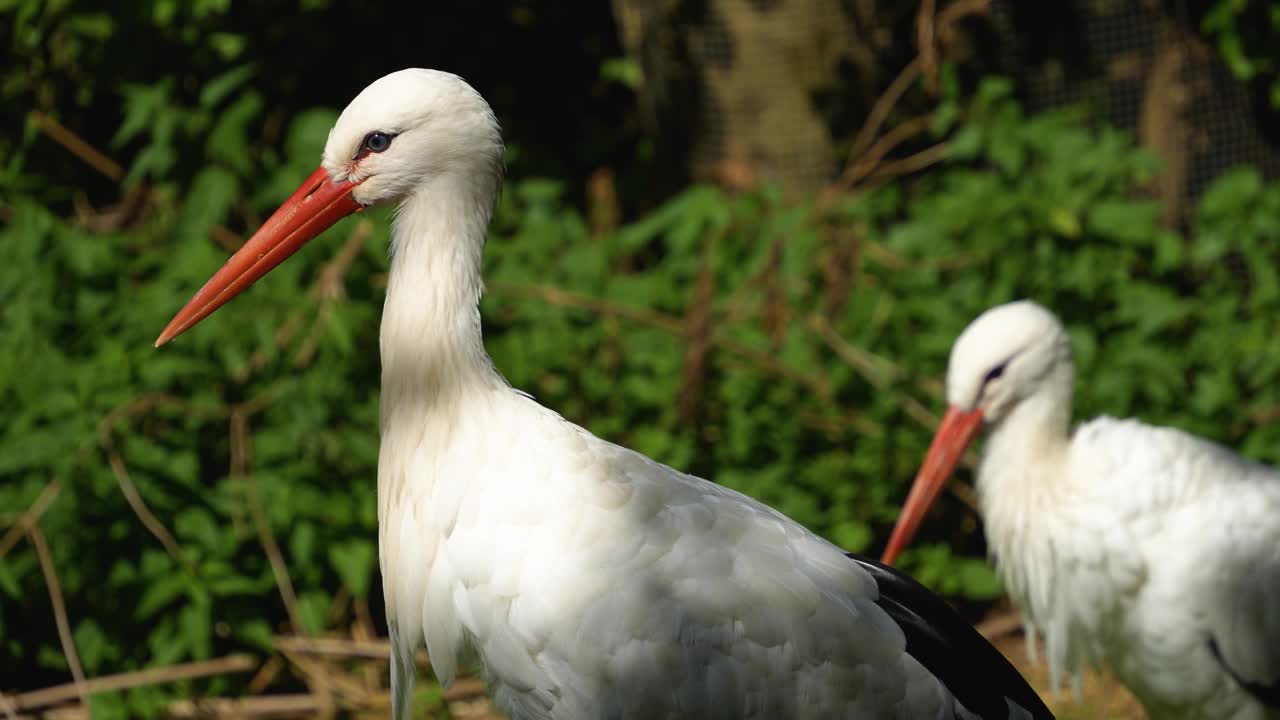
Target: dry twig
<point>266,675</point>
<point>60,134</point>
<point>697,326</point>
<point>912,163</point>
<point>137,406</point>
<point>239,431</point>
<point>268,706</point>
<point>883,106</point>
<point>341,648</point>
<point>123,681</point>
<point>140,508</point>
<point>59,612</point>
<point>867,164</point>
<point>934,29</point>
<point>31,516</point>
<point>927,44</point>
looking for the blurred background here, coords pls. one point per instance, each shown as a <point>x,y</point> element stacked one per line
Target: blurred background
<point>737,235</point>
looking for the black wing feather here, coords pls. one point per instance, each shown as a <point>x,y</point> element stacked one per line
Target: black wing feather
<point>971,668</point>
<point>1266,693</point>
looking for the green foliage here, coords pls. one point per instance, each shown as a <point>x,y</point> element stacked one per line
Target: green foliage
<point>1244,33</point>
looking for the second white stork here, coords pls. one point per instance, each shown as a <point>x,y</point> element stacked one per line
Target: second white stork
<point>1141,547</point>
<point>592,581</point>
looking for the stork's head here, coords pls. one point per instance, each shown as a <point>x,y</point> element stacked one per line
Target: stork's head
<point>404,134</point>
<point>1002,357</point>
<point>408,129</point>
<point>1005,356</point>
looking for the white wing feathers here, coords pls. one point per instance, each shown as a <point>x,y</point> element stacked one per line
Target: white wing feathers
<point>595,582</point>
<point>1193,546</point>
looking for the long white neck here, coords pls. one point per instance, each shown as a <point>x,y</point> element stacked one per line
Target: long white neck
<point>432,348</point>
<point>1023,480</point>
<point>1029,441</point>
<point>1025,474</point>
<point>1030,511</point>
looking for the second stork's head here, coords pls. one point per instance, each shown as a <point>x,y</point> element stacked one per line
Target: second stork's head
<point>1008,357</point>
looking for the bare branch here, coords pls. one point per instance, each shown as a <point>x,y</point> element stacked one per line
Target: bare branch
<point>874,369</point>
<point>240,468</point>
<point>912,163</point>
<point>59,612</point>
<point>883,106</point>
<point>869,162</point>
<point>283,706</point>
<point>697,333</point>
<point>62,135</point>
<point>927,44</point>
<point>140,508</point>
<point>123,681</point>
<point>27,520</point>
<point>342,648</point>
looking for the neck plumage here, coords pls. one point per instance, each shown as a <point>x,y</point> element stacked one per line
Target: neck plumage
<point>432,347</point>
<point>1024,487</point>
<point>1025,453</point>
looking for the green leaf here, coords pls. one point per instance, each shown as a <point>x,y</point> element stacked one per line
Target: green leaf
<point>8,583</point>
<point>198,525</point>
<point>217,89</point>
<point>307,135</point>
<point>1065,222</point>
<point>93,645</point>
<point>161,592</point>
<point>196,628</point>
<point>852,536</point>
<point>978,580</point>
<point>1231,193</point>
<point>229,140</point>
<point>625,71</point>
<point>354,563</point>
<point>1134,222</point>
<point>257,632</point>
<point>312,610</point>
<point>213,192</point>
<point>302,543</point>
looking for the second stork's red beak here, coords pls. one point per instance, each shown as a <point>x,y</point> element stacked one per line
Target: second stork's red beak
<point>313,208</point>
<point>955,433</point>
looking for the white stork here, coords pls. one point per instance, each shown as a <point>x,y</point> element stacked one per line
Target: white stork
<point>592,581</point>
<point>1142,547</point>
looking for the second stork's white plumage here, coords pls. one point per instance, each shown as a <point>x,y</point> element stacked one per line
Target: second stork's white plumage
<point>1142,547</point>
<point>591,581</point>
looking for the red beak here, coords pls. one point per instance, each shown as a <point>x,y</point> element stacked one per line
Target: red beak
<point>957,430</point>
<point>313,208</point>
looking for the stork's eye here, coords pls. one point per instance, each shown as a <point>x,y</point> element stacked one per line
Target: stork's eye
<point>995,372</point>
<point>376,141</point>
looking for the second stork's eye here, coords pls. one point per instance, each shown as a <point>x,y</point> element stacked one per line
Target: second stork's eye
<point>377,141</point>
<point>995,372</point>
